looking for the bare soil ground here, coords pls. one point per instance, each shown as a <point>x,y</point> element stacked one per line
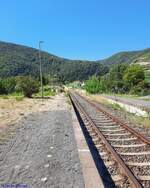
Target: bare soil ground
<point>11,110</point>
<point>41,151</point>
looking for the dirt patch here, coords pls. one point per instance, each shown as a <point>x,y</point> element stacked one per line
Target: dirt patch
<point>12,110</point>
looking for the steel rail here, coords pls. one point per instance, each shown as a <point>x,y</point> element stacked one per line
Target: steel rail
<point>124,168</point>
<point>118,121</point>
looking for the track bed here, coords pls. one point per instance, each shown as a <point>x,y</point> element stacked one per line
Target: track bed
<point>125,152</point>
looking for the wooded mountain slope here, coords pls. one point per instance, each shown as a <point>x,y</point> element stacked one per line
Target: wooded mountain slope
<point>140,57</point>
<point>21,60</point>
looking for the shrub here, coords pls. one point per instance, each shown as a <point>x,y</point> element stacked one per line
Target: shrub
<point>9,84</point>
<point>142,88</point>
<point>93,85</point>
<point>2,88</point>
<point>28,86</point>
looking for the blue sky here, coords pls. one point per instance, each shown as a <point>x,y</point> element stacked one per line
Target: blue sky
<point>77,29</point>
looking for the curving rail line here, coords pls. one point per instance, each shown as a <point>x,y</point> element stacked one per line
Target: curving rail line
<point>117,143</point>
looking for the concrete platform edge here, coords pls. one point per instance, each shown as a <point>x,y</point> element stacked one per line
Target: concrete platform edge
<point>91,176</point>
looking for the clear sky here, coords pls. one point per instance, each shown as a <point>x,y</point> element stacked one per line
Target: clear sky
<point>77,29</point>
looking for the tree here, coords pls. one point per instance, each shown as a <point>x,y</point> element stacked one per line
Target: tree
<point>28,86</point>
<point>114,79</point>
<point>133,75</point>
<point>117,71</point>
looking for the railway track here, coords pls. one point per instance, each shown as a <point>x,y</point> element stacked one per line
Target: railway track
<point>125,152</point>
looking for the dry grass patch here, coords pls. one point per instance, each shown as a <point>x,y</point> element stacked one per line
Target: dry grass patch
<point>96,98</point>
<point>12,109</point>
<point>140,121</point>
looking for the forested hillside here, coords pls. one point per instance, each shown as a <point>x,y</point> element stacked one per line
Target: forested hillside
<point>141,56</point>
<point>21,60</point>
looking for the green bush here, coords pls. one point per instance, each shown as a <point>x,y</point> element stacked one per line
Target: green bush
<point>142,88</point>
<point>93,85</point>
<point>9,84</point>
<point>28,86</point>
<point>2,88</point>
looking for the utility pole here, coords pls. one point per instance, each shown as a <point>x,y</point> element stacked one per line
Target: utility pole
<point>41,76</point>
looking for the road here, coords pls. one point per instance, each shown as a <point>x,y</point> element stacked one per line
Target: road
<point>131,101</point>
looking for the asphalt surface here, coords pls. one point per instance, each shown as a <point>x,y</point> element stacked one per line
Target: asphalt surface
<point>130,101</point>
<point>43,152</point>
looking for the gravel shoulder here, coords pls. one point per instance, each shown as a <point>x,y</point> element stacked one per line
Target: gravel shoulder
<point>42,152</point>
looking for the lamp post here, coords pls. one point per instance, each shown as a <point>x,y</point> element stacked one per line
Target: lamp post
<point>41,76</point>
